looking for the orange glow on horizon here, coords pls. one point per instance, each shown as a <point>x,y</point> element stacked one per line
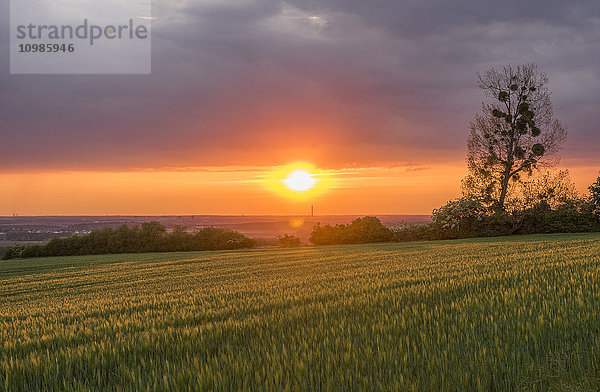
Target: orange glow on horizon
<point>239,190</point>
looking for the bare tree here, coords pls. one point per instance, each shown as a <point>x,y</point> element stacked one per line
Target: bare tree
<point>515,134</point>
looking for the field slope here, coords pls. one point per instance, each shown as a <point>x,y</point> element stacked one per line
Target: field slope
<point>516,313</point>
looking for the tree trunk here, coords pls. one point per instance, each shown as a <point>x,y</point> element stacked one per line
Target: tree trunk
<point>502,196</point>
<point>509,162</point>
<point>504,187</point>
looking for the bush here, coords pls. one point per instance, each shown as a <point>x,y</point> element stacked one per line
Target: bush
<point>493,225</point>
<point>541,219</point>
<point>13,252</point>
<point>327,235</point>
<point>213,238</point>
<point>368,229</point>
<point>289,241</point>
<point>150,237</point>
<point>362,230</point>
<point>458,218</point>
<point>414,232</point>
<point>34,250</point>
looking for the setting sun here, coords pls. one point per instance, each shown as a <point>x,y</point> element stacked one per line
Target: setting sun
<point>300,181</point>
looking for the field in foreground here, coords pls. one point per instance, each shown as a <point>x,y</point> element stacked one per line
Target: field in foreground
<point>517,313</point>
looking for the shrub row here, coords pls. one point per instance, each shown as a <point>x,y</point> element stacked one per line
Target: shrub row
<point>453,222</point>
<point>463,218</point>
<point>150,237</point>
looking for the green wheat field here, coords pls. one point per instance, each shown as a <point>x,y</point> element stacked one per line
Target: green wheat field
<point>510,314</point>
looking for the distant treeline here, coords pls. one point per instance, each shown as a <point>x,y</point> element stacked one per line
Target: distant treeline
<point>464,220</point>
<point>457,219</point>
<point>149,237</point>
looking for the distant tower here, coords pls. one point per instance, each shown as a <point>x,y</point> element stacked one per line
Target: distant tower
<point>312,211</point>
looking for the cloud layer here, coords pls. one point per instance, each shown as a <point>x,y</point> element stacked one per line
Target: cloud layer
<point>337,82</point>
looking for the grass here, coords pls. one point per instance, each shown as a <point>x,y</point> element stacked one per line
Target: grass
<point>514,313</point>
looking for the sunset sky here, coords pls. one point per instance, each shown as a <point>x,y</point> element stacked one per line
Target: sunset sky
<point>378,95</point>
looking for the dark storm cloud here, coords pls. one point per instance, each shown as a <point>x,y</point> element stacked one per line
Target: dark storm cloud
<point>340,82</point>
